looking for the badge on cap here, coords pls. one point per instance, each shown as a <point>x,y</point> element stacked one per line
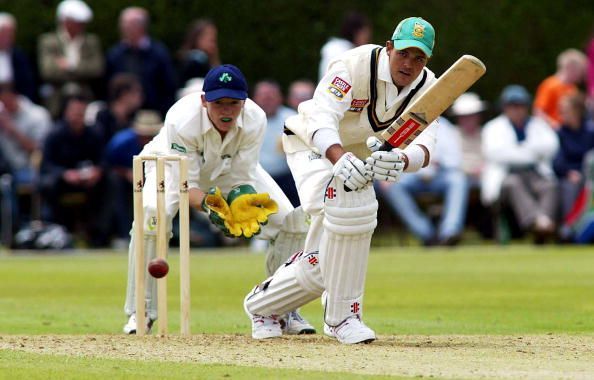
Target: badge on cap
<point>419,30</point>
<point>225,78</point>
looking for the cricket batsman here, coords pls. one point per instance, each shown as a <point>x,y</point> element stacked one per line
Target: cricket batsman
<point>361,94</point>
<point>220,131</point>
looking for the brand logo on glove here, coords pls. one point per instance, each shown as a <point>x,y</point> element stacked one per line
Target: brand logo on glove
<point>313,260</point>
<point>330,193</point>
<point>355,307</point>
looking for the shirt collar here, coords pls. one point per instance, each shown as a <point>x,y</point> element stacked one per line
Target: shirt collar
<point>383,72</point>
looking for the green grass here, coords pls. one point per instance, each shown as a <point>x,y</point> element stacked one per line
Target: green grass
<point>42,367</point>
<point>483,290</point>
<point>411,290</point>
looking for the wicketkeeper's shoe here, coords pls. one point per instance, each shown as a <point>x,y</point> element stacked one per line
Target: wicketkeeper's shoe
<point>294,324</point>
<point>130,327</point>
<point>352,330</point>
<point>264,327</point>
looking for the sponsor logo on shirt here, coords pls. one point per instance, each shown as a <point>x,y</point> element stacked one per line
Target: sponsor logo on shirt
<point>339,87</point>
<point>357,105</point>
<point>178,147</point>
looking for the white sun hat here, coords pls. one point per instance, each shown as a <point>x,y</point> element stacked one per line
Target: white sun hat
<point>76,10</point>
<point>467,104</point>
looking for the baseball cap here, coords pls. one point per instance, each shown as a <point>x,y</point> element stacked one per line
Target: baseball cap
<point>515,94</point>
<point>225,81</point>
<point>75,10</point>
<point>414,32</point>
<point>468,103</point>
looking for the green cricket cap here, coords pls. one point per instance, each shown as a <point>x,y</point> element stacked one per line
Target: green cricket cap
<point>414,32</point>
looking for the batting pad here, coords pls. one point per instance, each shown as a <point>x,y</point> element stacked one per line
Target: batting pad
<point>349,220</point>
<point>290,239</point>
<point>292,286</point>
<point>150,252</point>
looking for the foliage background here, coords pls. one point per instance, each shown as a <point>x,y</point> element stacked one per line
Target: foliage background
<point>518,40</point>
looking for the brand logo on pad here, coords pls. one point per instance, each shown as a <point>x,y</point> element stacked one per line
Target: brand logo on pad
<point>330,193</point>
<point>313,260</point>
<point>355,307</point>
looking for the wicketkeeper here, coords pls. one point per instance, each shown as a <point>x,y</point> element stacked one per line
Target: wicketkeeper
<point>220,131</point>
<point>362,93</point>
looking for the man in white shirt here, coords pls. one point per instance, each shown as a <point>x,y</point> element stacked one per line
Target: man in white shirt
<point>220,131</point>
<point>361,94</point>
<point>519,149</point>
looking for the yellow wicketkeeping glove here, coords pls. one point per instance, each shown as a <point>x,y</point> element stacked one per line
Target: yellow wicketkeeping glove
<point>249,210</point>
<point>218,210</point>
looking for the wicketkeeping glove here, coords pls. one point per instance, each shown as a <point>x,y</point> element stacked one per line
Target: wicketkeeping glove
<point>250,210</point>
<point>217,209</point>
<point>351,171</point>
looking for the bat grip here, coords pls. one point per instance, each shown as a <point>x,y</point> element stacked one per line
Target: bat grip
<point>386,147</point>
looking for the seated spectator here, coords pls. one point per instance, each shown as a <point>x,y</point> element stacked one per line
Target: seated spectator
<point>69,57</point>
<point>467,112</point>
<point>14,64</point>
<point>23,128</point>
<point>519,150</point>
<point>355,31</point>
<point>139,54</point>
<point>571,70</point>
<point>118,161</point>
<point>300,91</point>
<point>443,177</point>
<point>125,98</point>
<point>576,138</point>
<point>200,51</point>
<point>268,95</point>
<point>73,183</point>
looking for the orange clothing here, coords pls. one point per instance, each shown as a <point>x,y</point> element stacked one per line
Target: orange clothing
<point>548,94</point>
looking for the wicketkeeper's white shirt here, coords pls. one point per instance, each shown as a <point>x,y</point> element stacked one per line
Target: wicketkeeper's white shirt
<point>227,162</point>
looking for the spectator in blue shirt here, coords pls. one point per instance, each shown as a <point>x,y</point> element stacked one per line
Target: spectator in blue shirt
<point>576,138</point>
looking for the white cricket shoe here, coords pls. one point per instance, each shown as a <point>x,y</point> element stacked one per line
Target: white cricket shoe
<point>264,327</point>
<point>130,327</point>
<point>350,331</point>
<point>294,324</point>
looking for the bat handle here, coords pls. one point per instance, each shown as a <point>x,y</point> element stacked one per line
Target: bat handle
<point>386,147</point>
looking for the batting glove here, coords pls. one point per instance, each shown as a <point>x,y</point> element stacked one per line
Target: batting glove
<point>352,172</point>
<point>384,165</point>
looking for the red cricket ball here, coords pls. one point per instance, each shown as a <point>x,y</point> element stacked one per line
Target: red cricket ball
<point>158,268</point>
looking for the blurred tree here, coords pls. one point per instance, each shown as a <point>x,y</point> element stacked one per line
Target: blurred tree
<point>518,40</point>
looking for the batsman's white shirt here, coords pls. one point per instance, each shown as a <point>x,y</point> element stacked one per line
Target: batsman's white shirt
<point>357,99</point>
<point>213,161</point>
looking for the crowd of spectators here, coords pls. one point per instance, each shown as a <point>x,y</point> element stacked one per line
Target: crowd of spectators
<point>69,129</point>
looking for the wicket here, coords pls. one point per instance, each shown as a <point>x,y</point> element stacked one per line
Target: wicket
<point>162,242</point>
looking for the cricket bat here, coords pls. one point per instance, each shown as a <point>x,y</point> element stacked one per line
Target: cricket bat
<point>433,102</point>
